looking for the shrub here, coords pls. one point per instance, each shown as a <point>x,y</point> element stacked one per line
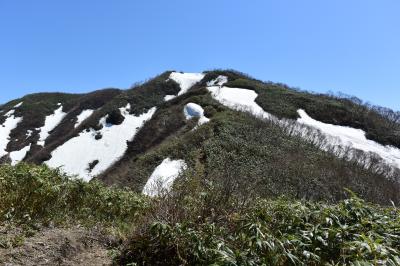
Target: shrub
<point>37,194</point>
<point>277,232</point>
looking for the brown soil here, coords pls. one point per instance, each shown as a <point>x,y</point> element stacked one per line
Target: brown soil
<point>57,246</point>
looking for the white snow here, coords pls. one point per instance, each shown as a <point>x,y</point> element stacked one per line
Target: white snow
<point>5,129</point>
<point>185,81</point>
<point>192,110</point>
<point>238,99</point>
<point>74,156</point>
<point>18,105</point>
<point>83,116</point>
<point>50,123</point>
<point>17,156</point>
<point>219,81</point>
<point>163,177</point>
<point>29,133</point>
<point>338,136</point>
<point>10,113</point>
<point>169,97</point>
<point>352,138</point>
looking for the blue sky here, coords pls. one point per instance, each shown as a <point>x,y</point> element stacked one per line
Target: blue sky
<point>79,46</point>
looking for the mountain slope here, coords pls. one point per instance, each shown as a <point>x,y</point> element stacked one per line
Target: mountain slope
<point>49,218</point>
<point>229,129</point>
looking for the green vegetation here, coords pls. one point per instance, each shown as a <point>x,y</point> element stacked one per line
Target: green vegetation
<point>34,110</point>
<point>253,194</point>
<point>141,97</point>
<point>201,225</point>
<point>277,232</point>
<point>380,124</point>
<point>39,195</point>
<point>248,156</point>
<point>37,106</point>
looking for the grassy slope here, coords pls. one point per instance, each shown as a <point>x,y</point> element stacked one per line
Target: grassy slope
<point>193,226</point>
<point>277,232</point>
<point>36,194</point>
<point>234,148</point>
<point>223,209</point>
<point>169,121</point>
<point>245,155</point>
<point>73,216</point>
<point>284,102</point>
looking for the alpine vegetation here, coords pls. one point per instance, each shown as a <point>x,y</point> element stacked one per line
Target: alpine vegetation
<point>212,168</point>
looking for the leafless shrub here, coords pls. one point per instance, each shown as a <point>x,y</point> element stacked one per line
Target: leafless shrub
<point>369,160</point>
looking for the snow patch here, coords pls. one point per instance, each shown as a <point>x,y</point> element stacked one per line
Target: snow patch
<point>50,123</point>
<point>29,133</point>
<point>185,81</point>
<point>10,113</point>
<point>192,110</point>
<point>163,177</point>
<point>18,105</point>
<point>352,138</point>
<point>5,129</point>
<point>169,97</point>
<point>238,99</point>
<point>219,81</point>
<point>338,136</point>
<point>83,116</point>
<point>17,156</point>
<point>107,150</point>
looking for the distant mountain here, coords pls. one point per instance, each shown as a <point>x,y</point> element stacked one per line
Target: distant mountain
<point>223,127</point>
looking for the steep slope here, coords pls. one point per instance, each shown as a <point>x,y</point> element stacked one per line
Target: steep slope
<point>46,119</point>
<point>229,129</point>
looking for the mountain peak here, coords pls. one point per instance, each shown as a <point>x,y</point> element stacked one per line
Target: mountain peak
<point>122,136</point>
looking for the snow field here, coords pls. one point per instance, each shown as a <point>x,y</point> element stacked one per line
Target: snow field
<point>50,123</point>
<point>17,156</point>
<point>9,124</point>
<point>185,81</point>
<point>352,138</point>
<point>337,136</point>
<point>83,116</point>
<point>163,177</point>
<point>74,156</point>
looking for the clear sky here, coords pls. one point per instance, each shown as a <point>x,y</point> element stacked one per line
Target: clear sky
<point>351,46</point>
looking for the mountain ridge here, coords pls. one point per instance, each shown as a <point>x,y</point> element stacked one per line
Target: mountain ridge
<point>222,95</point>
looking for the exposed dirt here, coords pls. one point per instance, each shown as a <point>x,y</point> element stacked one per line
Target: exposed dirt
<point>56,246</point>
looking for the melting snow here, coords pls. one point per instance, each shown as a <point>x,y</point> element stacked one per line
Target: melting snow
<point>50,123</point>
<point>29,133</point>
<point>353,138</point>
<point>238,99</point>
<point>10,113</point>
<point>17,156</point>
<point>192,110</point>
<point>219,81</point>
<point>107,150</point>
<point>18,105</point>
<point>83,116</point>
<point>339,136</point>
<point>168,97</point>
<point>185,81</point>
<point>163,177</point>
<point>5,130</point>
